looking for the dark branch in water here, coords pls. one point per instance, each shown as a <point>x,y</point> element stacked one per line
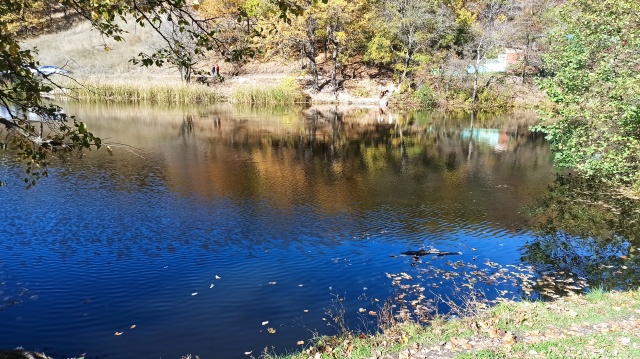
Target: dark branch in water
<point>424,252</point>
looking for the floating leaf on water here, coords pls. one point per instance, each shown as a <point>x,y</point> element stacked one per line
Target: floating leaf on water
<point>306,310</point>
<point>265,322</point>
<point>300,285</point>
<point>362,310</point>
<point>194,293</point>
<point>211,286</point>
<point>271,330</point>
<point>300,342</point>
<point>218,277</point>
<point>371,312</point>
<point>133,326</point>
<point>248,353</point>
<point>118,333</point>
<point>272,283</point>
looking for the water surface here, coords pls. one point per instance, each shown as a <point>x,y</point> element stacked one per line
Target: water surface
<point>208,222</point>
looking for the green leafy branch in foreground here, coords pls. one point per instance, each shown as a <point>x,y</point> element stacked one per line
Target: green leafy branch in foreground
<point>595,83</point>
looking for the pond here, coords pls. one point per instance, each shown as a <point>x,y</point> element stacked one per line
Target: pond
<point>220,231</point>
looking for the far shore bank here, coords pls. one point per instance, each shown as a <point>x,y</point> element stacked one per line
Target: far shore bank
<point>254,87</point>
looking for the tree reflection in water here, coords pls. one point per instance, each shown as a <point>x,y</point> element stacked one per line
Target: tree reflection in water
<point>585,232</point>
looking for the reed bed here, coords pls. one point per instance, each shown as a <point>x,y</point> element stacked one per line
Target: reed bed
<point>143,92</point>
<point>288,92</point>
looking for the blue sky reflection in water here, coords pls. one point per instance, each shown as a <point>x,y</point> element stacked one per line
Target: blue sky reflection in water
<point>217,220</point>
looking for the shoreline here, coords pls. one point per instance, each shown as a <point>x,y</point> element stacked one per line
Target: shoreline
<point>598,323</point>
<point>286,88</point>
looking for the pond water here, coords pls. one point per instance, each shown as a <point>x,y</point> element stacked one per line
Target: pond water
<point>207,223</point>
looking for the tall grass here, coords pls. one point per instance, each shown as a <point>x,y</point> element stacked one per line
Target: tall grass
<point>142,92</point>
<point>288,92</point>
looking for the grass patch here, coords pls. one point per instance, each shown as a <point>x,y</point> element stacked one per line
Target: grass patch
<point>142,92</point>
<point>598,324</point>
<point>286,93</point>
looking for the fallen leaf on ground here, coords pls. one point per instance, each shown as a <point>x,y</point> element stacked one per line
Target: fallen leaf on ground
<point>508,339</point>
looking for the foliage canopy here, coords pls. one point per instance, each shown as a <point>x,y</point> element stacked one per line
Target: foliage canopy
<point>595,85</point>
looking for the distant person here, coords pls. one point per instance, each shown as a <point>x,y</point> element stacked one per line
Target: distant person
<point>217,69</point>
<point>213,70</point>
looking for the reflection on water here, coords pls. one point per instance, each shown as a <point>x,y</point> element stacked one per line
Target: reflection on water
<point>586,231</point>
<point>209,221</point>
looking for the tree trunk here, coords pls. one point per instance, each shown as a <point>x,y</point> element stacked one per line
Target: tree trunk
<point>525,61</point>
<point>334,69</point>
<point>474,97</point>
<point>310,50</point>
<point>407,59</point>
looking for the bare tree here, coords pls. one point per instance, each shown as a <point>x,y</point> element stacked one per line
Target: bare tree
<point>529,27</point>
<point>489,32</point>
<point>417,25</point>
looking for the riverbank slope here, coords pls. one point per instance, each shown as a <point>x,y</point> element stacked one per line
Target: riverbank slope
<point>595,325</point>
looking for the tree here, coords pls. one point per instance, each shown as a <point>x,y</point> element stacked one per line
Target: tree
<point>530,26</point>
<point>181,50</point>
<point>296,33</point>
<point>236,22</point>
<point>595,84</point>
<point>488,31</point>
<point>409,28</point>
<point>347,28</point>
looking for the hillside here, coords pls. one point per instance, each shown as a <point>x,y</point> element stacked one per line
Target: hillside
<point>91,57</point>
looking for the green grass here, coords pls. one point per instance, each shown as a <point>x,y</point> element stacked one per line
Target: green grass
<point>595,325</point>
<point>286,93</point>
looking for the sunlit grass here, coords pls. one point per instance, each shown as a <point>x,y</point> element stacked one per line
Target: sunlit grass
<point>141,92</point>
<point>597,324</point>
<point>286,93</point>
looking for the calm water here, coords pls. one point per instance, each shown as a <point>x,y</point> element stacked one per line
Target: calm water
<point>211,221</point>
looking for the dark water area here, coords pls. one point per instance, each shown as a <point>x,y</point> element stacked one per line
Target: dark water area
<point>207,223</point>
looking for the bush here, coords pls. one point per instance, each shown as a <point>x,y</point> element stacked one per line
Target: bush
<point>424,97</point>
